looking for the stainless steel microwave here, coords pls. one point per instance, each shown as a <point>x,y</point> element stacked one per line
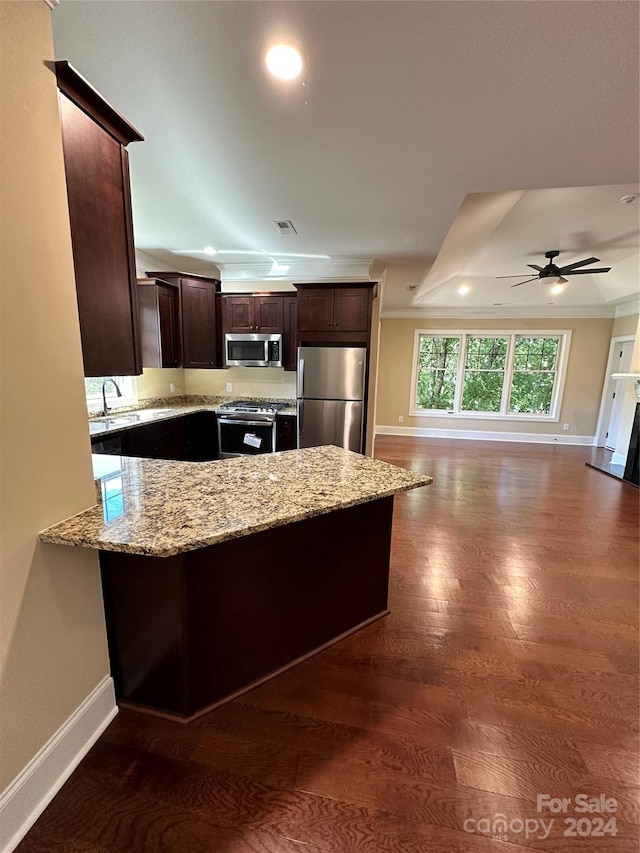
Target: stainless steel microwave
<point>253,350</point>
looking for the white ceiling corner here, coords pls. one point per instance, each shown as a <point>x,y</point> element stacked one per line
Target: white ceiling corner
<point>420,138</point>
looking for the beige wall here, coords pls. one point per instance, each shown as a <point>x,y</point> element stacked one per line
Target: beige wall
<point>270,382</point>
<point>52,642</point>
<point>625,326</point>
<point>585,375</point>
<point>156,382</point>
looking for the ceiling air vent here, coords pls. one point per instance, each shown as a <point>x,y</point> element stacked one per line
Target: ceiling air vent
<point>284,226</point>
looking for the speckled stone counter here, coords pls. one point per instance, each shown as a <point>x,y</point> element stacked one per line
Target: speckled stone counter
<point>159,508</point>
<point>219,575</point>
<point>164,409</point>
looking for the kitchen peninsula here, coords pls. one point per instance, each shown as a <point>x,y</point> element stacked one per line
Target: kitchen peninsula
<point>218,575</point>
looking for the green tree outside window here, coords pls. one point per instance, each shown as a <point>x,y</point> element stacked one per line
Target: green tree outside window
<point>511,374</point>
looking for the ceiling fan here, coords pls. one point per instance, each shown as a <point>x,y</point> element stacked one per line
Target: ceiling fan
<point>553,271</point>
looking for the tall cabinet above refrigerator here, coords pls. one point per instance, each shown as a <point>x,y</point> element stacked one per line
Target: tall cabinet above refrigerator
<point>331,388</point>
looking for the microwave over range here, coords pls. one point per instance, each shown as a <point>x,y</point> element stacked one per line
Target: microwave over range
<point>252,350</point>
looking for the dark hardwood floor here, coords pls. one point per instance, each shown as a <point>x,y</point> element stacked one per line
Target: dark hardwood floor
<point>507,669</point>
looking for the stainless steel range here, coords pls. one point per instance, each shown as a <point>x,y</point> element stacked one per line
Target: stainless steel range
<point>247,427</point>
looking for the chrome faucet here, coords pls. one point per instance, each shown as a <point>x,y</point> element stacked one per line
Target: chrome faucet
<point>105,408</point>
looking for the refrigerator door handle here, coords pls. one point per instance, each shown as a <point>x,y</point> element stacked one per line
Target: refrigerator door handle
<point>300,377</point>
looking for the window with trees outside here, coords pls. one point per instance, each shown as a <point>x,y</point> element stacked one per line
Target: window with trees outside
<point>93,391</point>
<point>516,374</point>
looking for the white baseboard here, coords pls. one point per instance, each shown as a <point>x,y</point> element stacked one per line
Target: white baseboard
<point>487,435</point>
<point>619,458</point>
<point>22,803</point>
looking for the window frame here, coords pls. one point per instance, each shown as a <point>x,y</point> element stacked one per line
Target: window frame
<point>128,387</point>
<point>558,388</point>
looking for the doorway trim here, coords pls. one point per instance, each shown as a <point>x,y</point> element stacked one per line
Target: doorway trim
<point>607,390</point>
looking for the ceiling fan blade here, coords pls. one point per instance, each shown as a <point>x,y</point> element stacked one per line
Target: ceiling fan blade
<point>510,276</point>
<point>525,282</point>
<point>535,267</point>
<point>585,272</point>
<point>586,261</point>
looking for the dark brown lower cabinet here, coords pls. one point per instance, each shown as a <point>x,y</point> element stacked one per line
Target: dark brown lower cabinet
<point>286,432</point>
<point>164,440</point>
<point>194,630</point>
<point>190,438</point>
<point>200,437</point>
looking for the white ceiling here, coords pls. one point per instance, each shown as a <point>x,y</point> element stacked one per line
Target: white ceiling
<point>406,109</point>
<point>498,234</point>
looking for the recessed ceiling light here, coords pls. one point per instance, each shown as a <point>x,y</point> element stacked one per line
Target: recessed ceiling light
<point>284,62</point>
<point>209,250</point>
<point>464,289</point>
<point>628,199</point>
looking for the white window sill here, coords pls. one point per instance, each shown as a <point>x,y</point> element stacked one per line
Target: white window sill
<point>483,416</point>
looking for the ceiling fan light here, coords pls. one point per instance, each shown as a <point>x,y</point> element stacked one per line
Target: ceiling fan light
<point>561,280</point>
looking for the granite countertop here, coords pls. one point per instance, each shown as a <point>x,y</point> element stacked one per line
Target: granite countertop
<point>175,407</point>
<point>160,508</point>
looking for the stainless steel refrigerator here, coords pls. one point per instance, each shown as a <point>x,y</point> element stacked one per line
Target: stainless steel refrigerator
<point>331,396</point>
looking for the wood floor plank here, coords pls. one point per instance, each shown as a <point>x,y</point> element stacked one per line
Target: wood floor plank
<point>610,763</point>
<point>508,667</point>
<point>523,779</point>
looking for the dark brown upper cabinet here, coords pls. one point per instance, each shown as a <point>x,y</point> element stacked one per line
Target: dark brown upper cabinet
<point>199,313</point>
<point>158,303</point>
<point>289,341</point>
<point>94,138</point>
<point>246,314</point>
<point>334,312</point>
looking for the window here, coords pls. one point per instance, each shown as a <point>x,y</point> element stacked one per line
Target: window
<point>437,372</point>
<point>93,391</point>
<point>517,375</point>
<point>485,362</point>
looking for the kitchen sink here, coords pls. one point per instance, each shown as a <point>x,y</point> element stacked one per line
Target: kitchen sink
<point>124,419</point>
<point>99,425</point>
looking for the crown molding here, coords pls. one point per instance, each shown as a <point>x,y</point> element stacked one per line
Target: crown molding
<point>376,269</point>
<point>355,269</point>
<point>628,308</point>
<point>512,311</point>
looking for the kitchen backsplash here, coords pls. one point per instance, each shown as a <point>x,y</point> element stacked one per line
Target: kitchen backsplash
<point>168,383</point>
<point>268,382</point>
<point>156,382</point>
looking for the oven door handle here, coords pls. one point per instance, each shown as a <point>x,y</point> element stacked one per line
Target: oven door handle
<point>245,423</point>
